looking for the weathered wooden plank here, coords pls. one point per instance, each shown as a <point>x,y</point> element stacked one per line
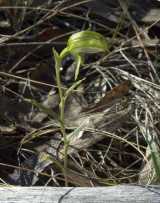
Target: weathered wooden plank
<point>121,193</point>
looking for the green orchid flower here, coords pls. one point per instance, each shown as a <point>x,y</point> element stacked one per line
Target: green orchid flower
<point>84,42</point>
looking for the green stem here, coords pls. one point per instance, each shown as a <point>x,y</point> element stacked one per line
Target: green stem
<point>63,130</point>
<point>61,109</point>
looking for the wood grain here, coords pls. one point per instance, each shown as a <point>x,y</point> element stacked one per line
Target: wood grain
<point>121,193</point>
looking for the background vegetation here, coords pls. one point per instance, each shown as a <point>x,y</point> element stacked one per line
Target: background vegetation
<point>112,118</point>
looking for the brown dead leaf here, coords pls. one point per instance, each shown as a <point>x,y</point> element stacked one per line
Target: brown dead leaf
<point>110,98</point>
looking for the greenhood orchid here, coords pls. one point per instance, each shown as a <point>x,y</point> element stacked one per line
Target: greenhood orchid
<point>78,44</point>
<point>84,42</point>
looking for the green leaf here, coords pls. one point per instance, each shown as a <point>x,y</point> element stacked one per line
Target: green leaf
<point>150,136</point>
<point>57,60</point>
<point>57,67</point>
<point>69,91</point>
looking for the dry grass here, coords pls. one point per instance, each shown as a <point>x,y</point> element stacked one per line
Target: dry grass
<point>116,144</point>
